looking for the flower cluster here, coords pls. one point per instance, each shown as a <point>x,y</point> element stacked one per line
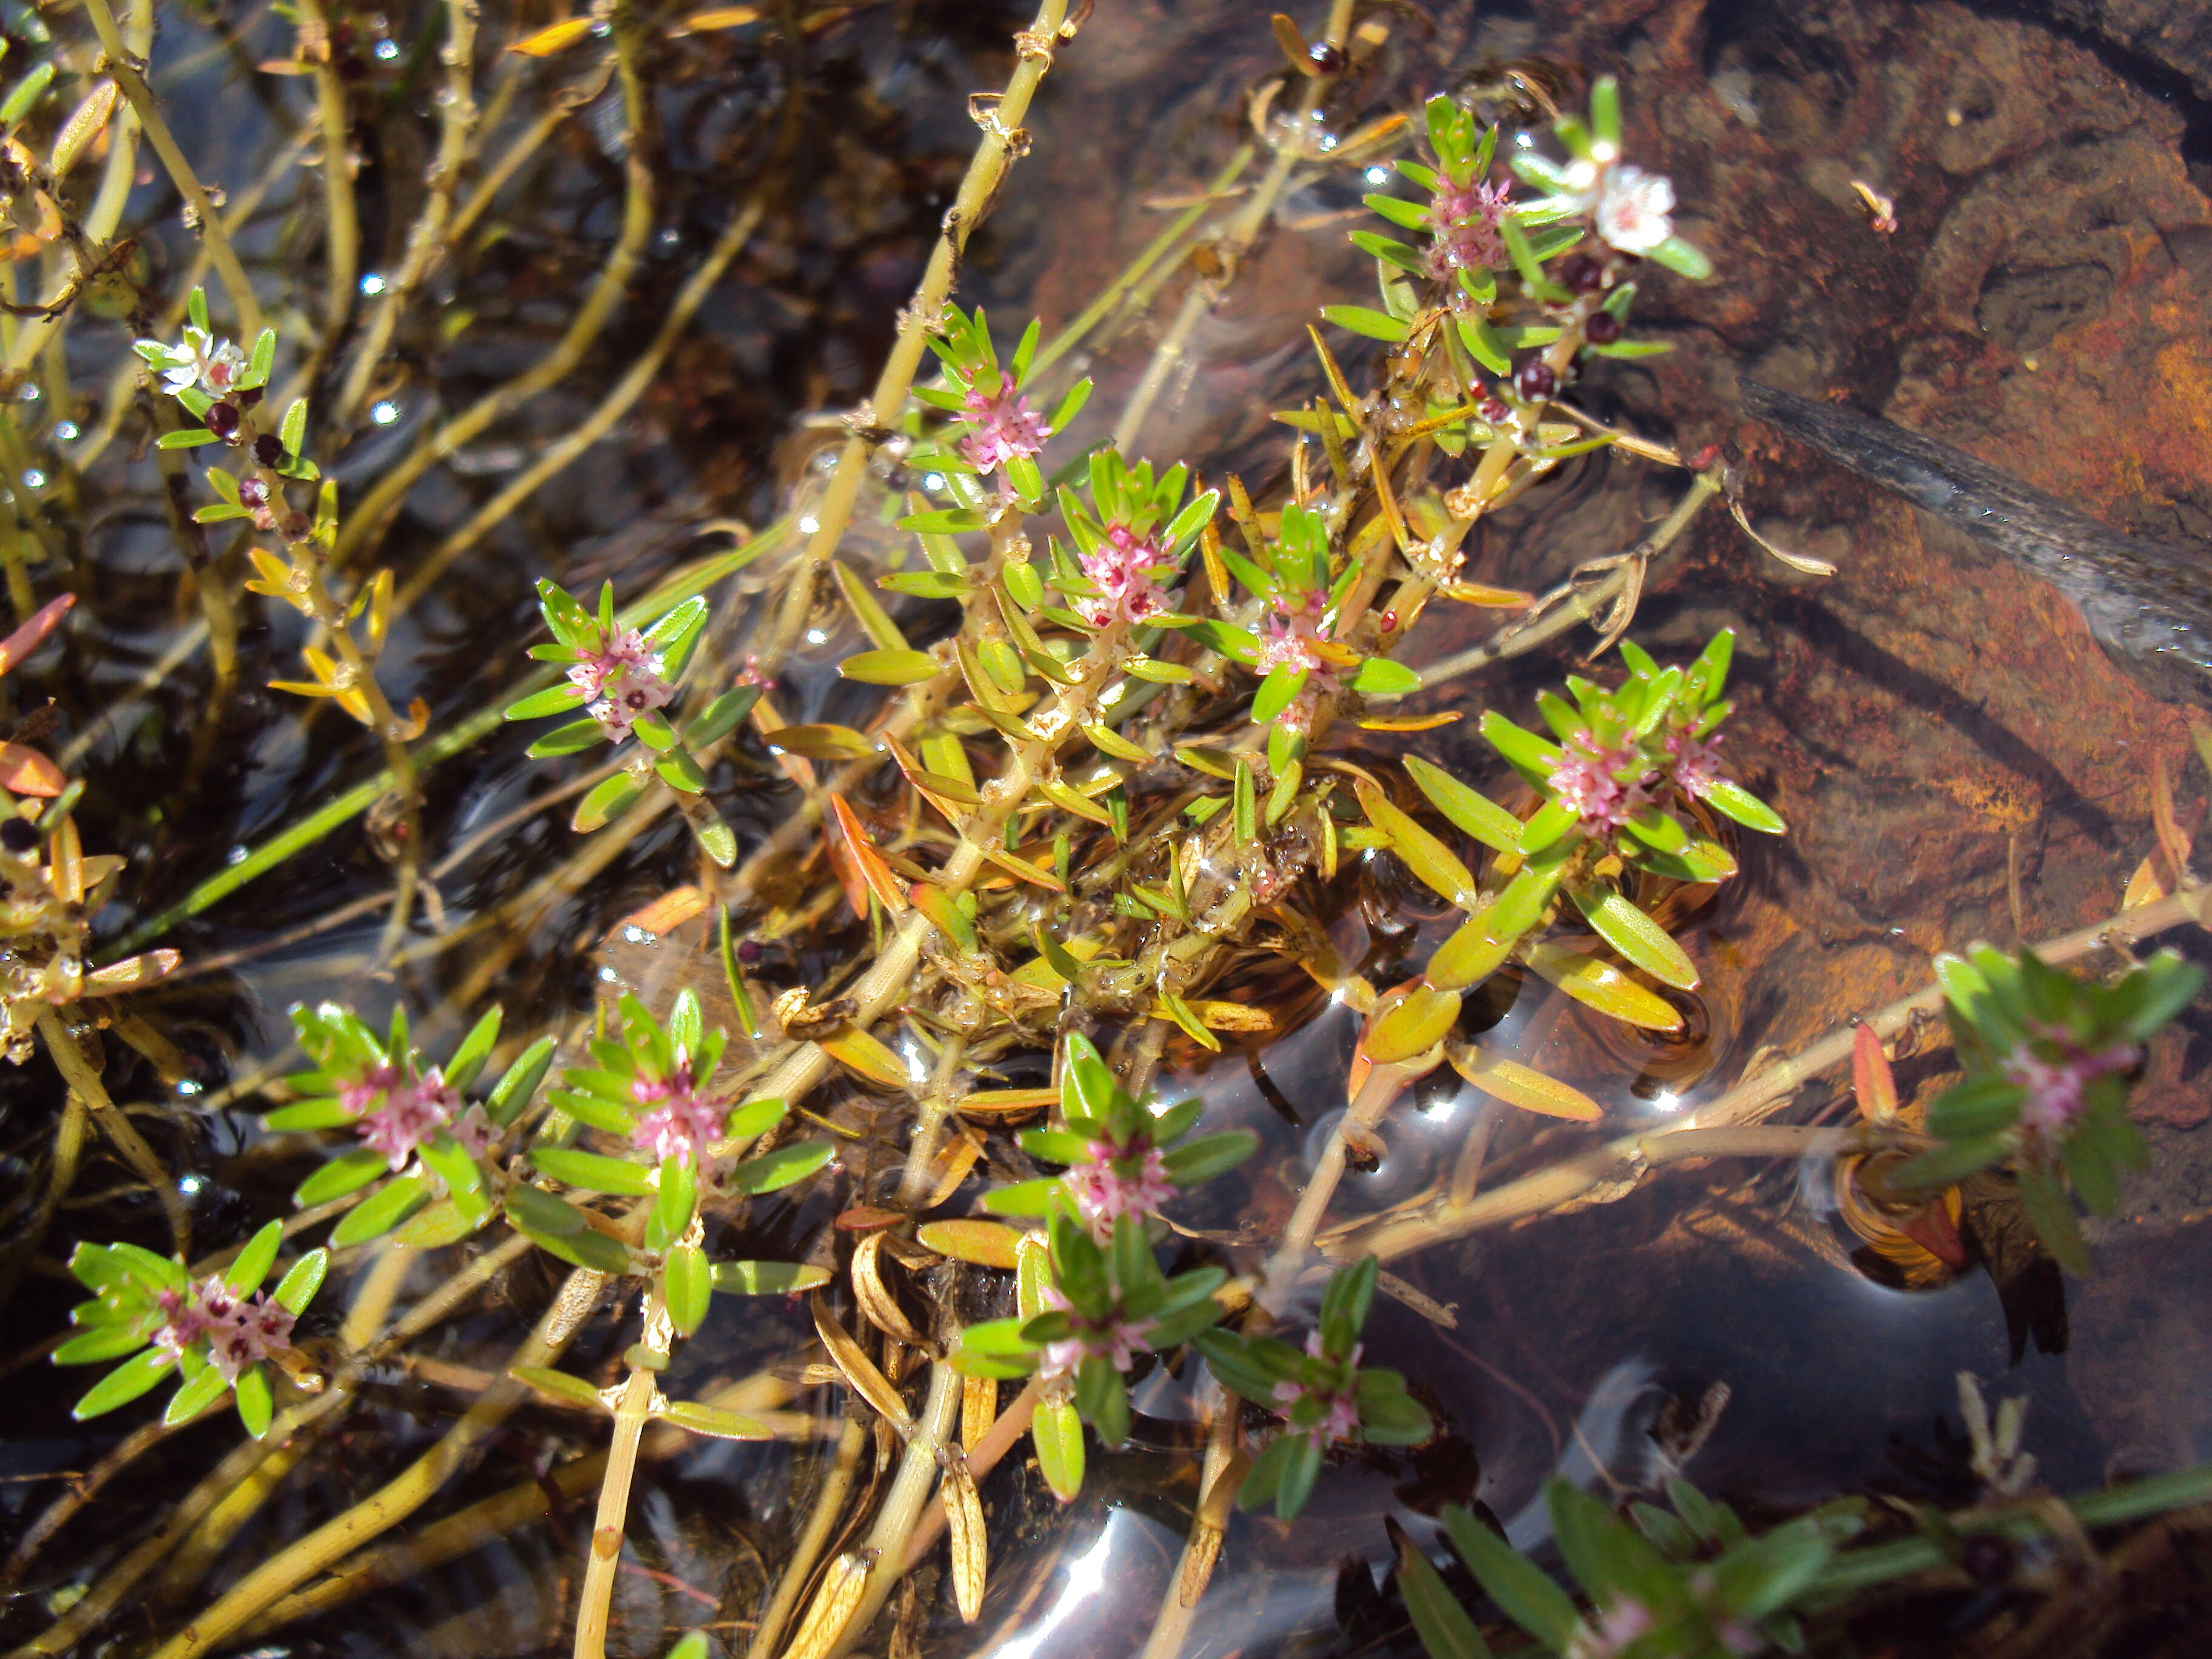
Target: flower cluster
<point>1322,1393</point>
<point>1089,1311</point>
<point>2047,1059</point>
<point>623,678</point>
<point>220,1333</point>
<point>1130,539</point>
<point>413,1119</point>
<point>1296,653</point>
<point>199,361</point>
<point>1122,570</point>
<point>1571,246</point>
<point>1465,214</point>
<point>1625,757</point>
<point>620,677</point>
<point>1124,1161</point>
<point>649,1090</point>
<point>994,429</point>
<point>1685,1583</point>
<point>237,1331</point>
<point>677,1121</point>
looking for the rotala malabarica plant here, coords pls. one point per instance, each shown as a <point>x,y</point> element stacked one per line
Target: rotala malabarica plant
<point>1125,738</point>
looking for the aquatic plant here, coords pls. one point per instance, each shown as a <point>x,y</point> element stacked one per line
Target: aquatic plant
<point>1122,735</point>
<point>2048,1060</point>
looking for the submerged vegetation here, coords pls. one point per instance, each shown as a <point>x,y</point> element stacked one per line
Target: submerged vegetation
<point>1116,745</point>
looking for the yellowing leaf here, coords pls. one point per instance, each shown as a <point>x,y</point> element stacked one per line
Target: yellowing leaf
<point>1409,1022</point>
<point>985,1244</point>
<point>553,38</point>
<point>865,1054</point>
<point>719,17</point>
<point>1424,854</point>
<point>1516,1085</point>
<point>1601,986</point>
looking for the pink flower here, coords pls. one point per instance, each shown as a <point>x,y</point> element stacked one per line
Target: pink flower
<point>1340,1419</point>
<point>239,1332</point>
<point>622,680</point>
<point>679,1124</point>
<point>408,1117</point>
<point>357,1094</point>
<point>2055,1087</point>
<point>1002,427</point>
<point>256,1331</point>
<point>474,1130</point>
<point>628,698</point>
<point>1121,572</point>
<point>1287,642</point>
<point>1465,218</point>
<point>1633,209</point>
<point>1105,1185</point>
<point>1694,762</point>
<point>1620,1623</point>
<point>1118,1342</point>
<point>1586,781</point>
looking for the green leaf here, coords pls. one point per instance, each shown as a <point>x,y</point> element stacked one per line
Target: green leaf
<point>1980,1106</point>
<point>1364,319</point>
<point>198,1393</point>
<point>553,700</point>
<point>1678,256</point>
<point>767,1278</point>
<point>1636,936</point>
<point>608,797</point>
<point>256,1408</point>
<point>123,1384</point>
<point>301,1280</point>
<point>1378,676</point>
<point>720,717</point>
<point>679,772</point>
<point>27,92</point>
<point>781,1167</point>
<point>1443,1625</point>
<point>100,1343</point>
<point>888,667</point>
<point>688,1284</point>
<point>380,1211</point>
<point>1209,1156</point>
<point>677,1201</point>
<point>1746,808</point>
<point>594,1172</point>
<point>2051,1212</point>
<point>190,437</point>
<point>254,1261</point>
<point>558,1385</point>
<point>519,1082</point>
<point>1950,1163</point>
<point>1467,808</point>
<point>1277,692</point>
<point>569,739</point>
<point>1057,1432</point>
<point>348,1172</point>
<point>1520,1587</point>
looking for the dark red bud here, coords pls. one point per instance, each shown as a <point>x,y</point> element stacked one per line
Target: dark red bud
<point>1536,381</point>
<point>222,420</point>
<point>297,527</point>
<point>1583,273</point>
<point>269,449</point>
<point>1494,409</point>
<point>1602,329</point>
<point>1325,57</point>
<point>251,492</point>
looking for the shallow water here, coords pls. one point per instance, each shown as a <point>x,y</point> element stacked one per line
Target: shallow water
<point>1955,758</point>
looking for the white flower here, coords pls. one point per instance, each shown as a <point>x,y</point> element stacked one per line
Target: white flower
<point>1633,209</point>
